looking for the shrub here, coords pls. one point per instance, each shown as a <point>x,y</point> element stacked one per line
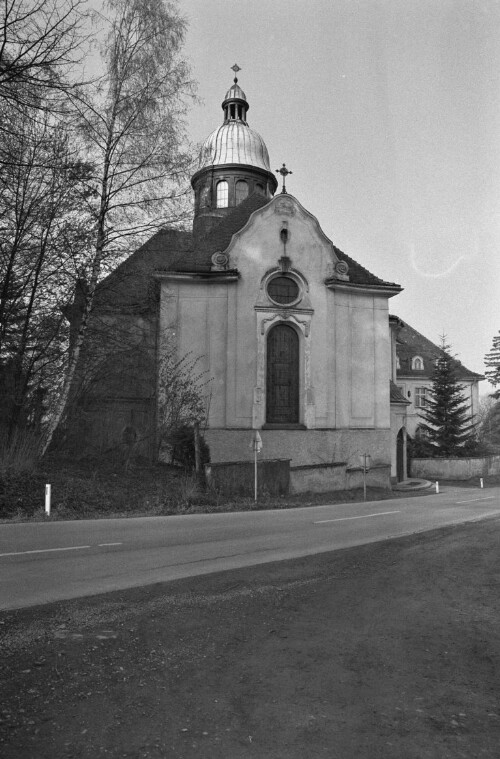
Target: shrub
<point>181,443</point>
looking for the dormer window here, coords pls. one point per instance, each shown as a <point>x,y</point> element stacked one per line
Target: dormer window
<point>417,363</point>
<point>222,194</point>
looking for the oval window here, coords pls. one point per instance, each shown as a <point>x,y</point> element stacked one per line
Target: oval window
<point>283,290</point>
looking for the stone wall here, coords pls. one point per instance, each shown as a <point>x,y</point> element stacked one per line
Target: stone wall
<point>455,469</point>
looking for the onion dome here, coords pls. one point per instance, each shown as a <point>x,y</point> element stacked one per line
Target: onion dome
<point>234,141</point>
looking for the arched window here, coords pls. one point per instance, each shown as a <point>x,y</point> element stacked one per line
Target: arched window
<point>259,188</point>
<point>241,191</point>
<point>417,363</point>
<point>222,194</point>
<point>282,375</point>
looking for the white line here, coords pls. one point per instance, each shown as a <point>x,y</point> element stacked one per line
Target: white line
<point>44,550</point>
<point>364,516</point>
<point>488,498</point>
<point>100,545</point>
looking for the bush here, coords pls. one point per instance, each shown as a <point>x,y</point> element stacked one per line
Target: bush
<point>181,443</point>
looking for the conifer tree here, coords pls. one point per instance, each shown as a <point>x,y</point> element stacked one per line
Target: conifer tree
<point>492,361</point>
<point>448,428</point>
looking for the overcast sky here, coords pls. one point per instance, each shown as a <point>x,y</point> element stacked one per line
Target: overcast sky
<point>388,114</point>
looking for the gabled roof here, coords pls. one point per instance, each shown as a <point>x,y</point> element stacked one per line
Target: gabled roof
<point>410,343</point>
<point>358,275</point>
<point>220,237</point>
<point>129,285</point>
<point>173,250</point>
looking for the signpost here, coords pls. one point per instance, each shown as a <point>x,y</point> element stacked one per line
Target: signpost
<point>366,461</point>
<point>256,444</point>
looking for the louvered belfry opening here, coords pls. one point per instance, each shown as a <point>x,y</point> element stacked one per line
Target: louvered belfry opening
<point>282,386</point>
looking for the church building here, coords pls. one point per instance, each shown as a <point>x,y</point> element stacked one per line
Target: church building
<point>293,334</point>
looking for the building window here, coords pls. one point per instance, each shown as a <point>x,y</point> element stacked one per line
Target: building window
<point>241,191</point>
<point>283,290</point>
<point>417,363</point>
<point>282,375</point>
<point>259,188</point>
<point>421,396</point>
<point>398,363</point>
<point>222,195</point>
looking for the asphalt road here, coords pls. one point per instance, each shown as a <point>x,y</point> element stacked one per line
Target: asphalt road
<point>40,563</point>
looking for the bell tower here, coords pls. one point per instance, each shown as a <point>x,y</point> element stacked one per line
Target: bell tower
<point>233,164</point>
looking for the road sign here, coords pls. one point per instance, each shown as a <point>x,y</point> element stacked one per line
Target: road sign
<point>365,461</point>
<point>256,444</point>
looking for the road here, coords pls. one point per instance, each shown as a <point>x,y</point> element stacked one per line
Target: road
<point>40,563</point>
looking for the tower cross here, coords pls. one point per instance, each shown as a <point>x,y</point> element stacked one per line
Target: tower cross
<point>235,68</point>
<point>284,173</point>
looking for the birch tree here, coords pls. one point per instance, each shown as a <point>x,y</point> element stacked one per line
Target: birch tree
<point>131,122</point>
<point>40,41</point>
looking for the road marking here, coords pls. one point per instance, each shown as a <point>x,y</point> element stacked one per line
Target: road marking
<point>49,550</point>
<point>364,516</point>
<point>44,550</point>
<point>100,545</point>
<point>488,498</point>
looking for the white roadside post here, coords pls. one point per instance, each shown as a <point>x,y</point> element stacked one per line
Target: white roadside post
<point>481,482</point>
<point>47,500</point>
<point>366,461</point>
<point>437,486</point>
<point>256,444</point>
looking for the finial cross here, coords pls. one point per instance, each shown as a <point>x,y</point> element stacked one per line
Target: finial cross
<point>284,173</point>
<point>235,68</point>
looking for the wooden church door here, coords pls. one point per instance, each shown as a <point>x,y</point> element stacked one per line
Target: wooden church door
<point>282,386</point>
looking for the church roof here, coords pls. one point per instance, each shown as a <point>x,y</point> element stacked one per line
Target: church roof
<point>358,275</point>
<point>410,343</point>
<point>396,396</point>
<point>220,236</point>
<point>234,142</point>
<point>129,285</point>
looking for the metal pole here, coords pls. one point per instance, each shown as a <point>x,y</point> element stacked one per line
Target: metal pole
<point>364,477</point>
<point>47,500</point>
<point>255,469</point>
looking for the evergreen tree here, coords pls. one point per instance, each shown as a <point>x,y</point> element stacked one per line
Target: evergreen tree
<point>492,361</point>
<point>448,428</point>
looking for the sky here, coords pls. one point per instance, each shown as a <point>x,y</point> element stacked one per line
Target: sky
<point>388,114</point>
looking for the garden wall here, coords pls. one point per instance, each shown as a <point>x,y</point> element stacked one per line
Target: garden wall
<point>455,469</point>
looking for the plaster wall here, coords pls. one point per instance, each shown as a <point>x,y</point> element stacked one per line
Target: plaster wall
<point>456,469</point>
<point>302,447</point>
<point>343,336</point>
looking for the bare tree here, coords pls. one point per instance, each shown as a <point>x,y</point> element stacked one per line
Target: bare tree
<point>42,243</point>
<point>132,126</point>
<point>40,40</point>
